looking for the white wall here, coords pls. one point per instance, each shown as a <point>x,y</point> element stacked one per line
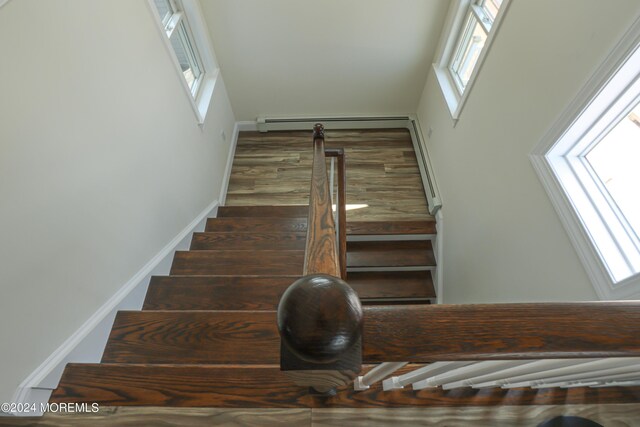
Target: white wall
<point>102,163</point>
<point>503,239</point>
<point>303,57</point>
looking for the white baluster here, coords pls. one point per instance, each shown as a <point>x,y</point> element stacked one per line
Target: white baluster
<point>420,374</point>
<point>378,373</point>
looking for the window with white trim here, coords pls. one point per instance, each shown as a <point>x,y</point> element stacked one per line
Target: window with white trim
<point>468,34</point>
<point>187,41</point>
<point>589,164</point>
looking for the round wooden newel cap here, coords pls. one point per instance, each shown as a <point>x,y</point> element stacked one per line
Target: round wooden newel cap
<point>319,318</point>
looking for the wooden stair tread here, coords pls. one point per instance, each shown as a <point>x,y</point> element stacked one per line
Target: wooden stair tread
<point>216,292</point>
<point>267,386</point>
<point>390,253</point>
<point>257,225</point>
<point>278,211</point>
<point>392,284</point>
<point>427,226</point>
<point>194,337</point>
<point>249,241</point>
<point>193,386</point>
<point>232,262</point>
<point>251,337</point>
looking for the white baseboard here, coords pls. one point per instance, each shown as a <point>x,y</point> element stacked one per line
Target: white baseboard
<point>247,126</point>
<point>265,124</point>
<point>239,126</point>
<point>86,345</point>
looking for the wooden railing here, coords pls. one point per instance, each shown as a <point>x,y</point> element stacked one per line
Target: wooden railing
<point>320,316</point>
<point>341,207</point>
<point>504,345</point>
<point>326,334</point>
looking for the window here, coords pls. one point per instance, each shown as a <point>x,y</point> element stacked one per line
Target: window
<point>187,41</point>
<point>589,165</point>
<point>469,31</point>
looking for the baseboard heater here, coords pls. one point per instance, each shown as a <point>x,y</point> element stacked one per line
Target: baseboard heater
<point>266,124</point>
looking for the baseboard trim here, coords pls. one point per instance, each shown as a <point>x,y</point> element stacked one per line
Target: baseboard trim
<point>266,124</point>
<point>247,126</point>
<point>239,126</point>
<point>86,344</point>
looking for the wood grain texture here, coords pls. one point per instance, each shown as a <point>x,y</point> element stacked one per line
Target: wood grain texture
<point>264,386</point>
<point>320,322</point>
<point>194,337</point>
<point>623,415</point>
<point>216,292</point>
<point>618,415</point>
<point>256,225</point>
<point>179,385</point>
<point>382,170</point>
<point>501,331</point>
<point>321,256</point>
<point>391,227</point>
<point>390,254</point>
<point>223,262</point>
<point>286,211</point>
<point>391,333</point>
<point>392,284</point>
<point>341,208</point>
<point>121,416</point>
<point>248,241</point>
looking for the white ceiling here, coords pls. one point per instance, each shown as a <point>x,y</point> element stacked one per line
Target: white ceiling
<point>303,57</point>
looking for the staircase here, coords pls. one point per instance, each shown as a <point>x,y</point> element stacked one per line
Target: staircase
<point>206,335</point>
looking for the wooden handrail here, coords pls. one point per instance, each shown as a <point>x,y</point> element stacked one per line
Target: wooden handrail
<point>319,315</point>
<point>320,252</point>
<point>501,331</point>
<point>341,207</point>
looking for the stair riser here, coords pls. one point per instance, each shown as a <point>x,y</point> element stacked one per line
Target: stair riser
<point>238,262</point>
<point>217,293</point>
<point>248,241</point>
<point>256,225</point>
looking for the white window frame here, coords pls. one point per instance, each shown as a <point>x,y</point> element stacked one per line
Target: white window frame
<point>455,96</point>
<point>190,13</point>
<point>603,239</point>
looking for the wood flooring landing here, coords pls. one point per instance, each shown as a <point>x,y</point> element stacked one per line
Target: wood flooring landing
<point>382,172</point>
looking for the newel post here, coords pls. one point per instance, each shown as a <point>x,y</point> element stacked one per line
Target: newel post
<point>320,324</point>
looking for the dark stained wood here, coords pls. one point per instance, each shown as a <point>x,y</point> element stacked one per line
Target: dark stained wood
<point>194,337</point>
<point>257,225</point>
<point>393,333</point>
<point>390,254</point>
<point>341,207</point>
<point>282,211</point>
<point>248,241</point>
<point>263,386</point>
<point>320,253</point>
<point>392,284</point>
<point>193,386</point>
<point>219,262</point>
<point>320,319</point>
<point>501,331</point>
<point>427,226</point>
<point>216,292</point>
